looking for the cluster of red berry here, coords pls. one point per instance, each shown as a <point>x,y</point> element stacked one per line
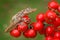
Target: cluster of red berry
<point>47,24</point>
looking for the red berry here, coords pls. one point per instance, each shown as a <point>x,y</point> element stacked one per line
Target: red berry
<point>49,21</point>
<point>15,33</point>
<point>56,39</point>
<point>53,5</point>
<point>48,38</point>
<point>56,22</point>
<point>38,26</point>
<point>57,35</point>
<point>50,16</point>
<point>49,30</point>
<point>58,9</point>
<point>30,33</point>
<point>26,34</point>
<point>40,17</point>
<point>22,27</point>
<point>26,19</point>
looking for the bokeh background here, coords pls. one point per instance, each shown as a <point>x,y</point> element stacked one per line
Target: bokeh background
<point>10,7</point>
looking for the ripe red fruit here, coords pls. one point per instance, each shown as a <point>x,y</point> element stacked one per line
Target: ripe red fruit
<point>30,33</point>
<point>58,9</point>
<point>49,21</point>
<point>53,5</point>
<point>48,38</point>
<point>50,16</point>
<point>38,26</point>
<point>40,17</point>
<point>56,39</point>
<point>56,22</point>
<point>49,30</point>
<point>22,27</point>
<point>57,35</point>
<point>26,19</point>
<point>15,33</point>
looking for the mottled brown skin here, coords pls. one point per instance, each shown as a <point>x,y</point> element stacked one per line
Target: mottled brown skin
<point>17,18</point>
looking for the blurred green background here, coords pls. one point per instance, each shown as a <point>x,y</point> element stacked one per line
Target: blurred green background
<point>10,7</point>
